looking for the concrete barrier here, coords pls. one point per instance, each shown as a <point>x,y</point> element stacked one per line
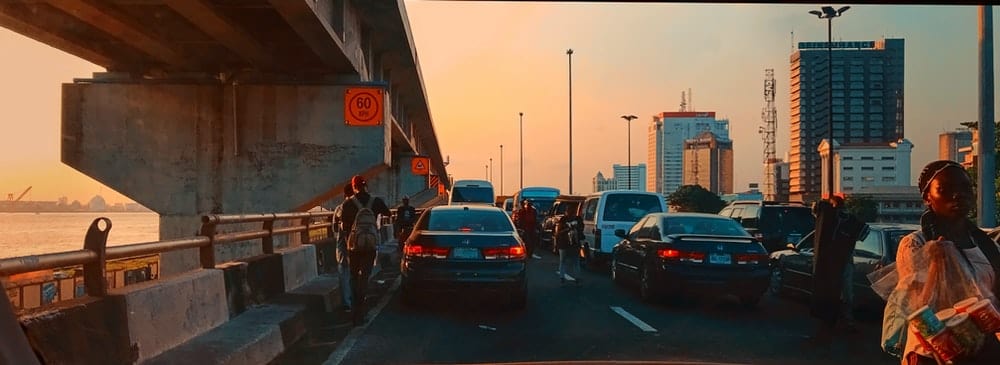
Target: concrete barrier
<point>299,265</point>
<point>166,313</point>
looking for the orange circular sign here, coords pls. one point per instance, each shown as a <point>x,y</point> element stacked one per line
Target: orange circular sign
<point>363,106</point>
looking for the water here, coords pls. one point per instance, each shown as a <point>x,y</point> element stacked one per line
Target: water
<point>24,234</point>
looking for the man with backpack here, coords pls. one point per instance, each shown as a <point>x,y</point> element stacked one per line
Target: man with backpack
<point>360,222</point>
<point>343,267</point>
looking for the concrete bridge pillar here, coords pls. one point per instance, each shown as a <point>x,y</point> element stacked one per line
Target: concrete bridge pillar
<point>184,149</point>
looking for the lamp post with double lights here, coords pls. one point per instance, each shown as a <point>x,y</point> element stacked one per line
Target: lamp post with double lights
<point>828,13</point>
<point>628,120</point>
<point>501,169</point>
<point>520,116</point>
<point>569,55</point>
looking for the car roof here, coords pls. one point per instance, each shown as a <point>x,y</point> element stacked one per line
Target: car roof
<point>465,207</point>
<point>689,215</point>
<point>609,192</point>
<point>769,202</point>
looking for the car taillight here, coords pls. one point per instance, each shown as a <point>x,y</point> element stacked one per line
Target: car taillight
<point>751,258</point>
<point>418,250</point>
<point>679,255</point>
<point>504,253</point>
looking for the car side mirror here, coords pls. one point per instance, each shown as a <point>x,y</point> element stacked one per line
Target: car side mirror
<point>620,233</point>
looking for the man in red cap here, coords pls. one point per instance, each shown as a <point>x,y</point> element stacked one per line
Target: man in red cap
<point>361,261</point>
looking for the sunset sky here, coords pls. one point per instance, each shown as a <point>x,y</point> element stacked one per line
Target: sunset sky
<point>484,62</point>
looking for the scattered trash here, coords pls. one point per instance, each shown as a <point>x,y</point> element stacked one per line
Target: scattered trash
<point>488,328</point>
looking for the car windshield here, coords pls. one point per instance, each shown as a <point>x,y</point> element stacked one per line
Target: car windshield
<point>467,220</point>
<point>774,219</point>
<point>465,194</point>
<point>703,225</point>
<point>630,207</point>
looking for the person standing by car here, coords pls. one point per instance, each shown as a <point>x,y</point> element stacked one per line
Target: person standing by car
<point>343,268</point>
<point>361,259</point>
<point>568,243</point>
<point>406,215</point>
<point>836,234</point>
<point>844,222</point>
<point>528,218</point>
<point>948,192</point>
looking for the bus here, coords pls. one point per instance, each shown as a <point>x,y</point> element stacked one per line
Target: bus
<point>541,196</point>
<point>471,192</point>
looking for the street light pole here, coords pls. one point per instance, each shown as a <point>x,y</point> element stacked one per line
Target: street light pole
<point>987,135</point>
<point>828,13</point>
<point>628,167</point>
<point>491,170</point>
<point>521,123</point>
<point>501,169</point>
<point>569,55</point>
<point>487,172</point>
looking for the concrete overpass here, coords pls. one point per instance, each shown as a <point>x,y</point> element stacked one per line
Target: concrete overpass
<point>235,106</point>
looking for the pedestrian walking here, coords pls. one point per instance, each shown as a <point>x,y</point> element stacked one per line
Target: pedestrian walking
<point>360,217</point>
<point>343,267</point>
<point>567,241</point>
<point>406,216</point>
<point>836,233</point>
<point>947,191</point>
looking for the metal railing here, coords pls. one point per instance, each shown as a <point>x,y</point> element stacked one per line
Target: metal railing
<point>95,254</point>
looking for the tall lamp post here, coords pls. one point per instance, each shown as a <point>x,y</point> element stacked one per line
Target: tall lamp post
<point>569,55</point>
<point>628,120</point>
<point>501,169</point>
<point>520,116</point>
<point>487,172</point>
<point>828,13</point>
<point>491,170</point>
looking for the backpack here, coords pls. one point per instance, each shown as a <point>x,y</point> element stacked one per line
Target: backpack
<point>364,236</point>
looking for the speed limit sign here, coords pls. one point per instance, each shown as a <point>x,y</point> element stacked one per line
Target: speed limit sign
<point>363,106</point>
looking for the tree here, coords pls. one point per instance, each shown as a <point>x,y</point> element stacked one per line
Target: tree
<point>694,198</point>
<point>862,207</point>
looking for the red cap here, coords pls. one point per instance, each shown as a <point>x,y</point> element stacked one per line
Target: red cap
<point>358,181</point>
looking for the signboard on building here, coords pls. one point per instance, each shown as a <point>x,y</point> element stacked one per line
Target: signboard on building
<point>852,44</point>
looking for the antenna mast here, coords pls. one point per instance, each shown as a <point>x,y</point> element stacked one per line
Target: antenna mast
<point>770,118</point>
<point>690,100</point>
<point>683,102</point>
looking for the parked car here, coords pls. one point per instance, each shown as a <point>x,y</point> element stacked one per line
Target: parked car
<point>792,268</point>
<point>775,224</point>
<point>563,204</point>
<point>607,211</point>
<point>668,254</point>
<point>459,247</point>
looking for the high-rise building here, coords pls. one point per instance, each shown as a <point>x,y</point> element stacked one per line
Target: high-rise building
<point>780,185</point>
<point>708,161</point>
<point>865,165</point>
<point>954,145</point>
<point>621,176</point>
<point>867,97</point>
<point>602,184</point>
<point>667,133</point>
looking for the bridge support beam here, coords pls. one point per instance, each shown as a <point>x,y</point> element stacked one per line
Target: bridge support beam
<point>187,149</point>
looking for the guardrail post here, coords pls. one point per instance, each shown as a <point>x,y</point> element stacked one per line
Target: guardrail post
<point>304,235</point>
<point>267,243</point>
<point>207,252</point>
<point>96,241</point>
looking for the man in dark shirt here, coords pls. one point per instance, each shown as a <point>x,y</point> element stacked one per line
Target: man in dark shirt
<point>406,215</point>
<point>361,262</point>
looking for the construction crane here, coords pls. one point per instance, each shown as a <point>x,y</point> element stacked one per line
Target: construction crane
<point>770,118</point>
<point>10,196</point>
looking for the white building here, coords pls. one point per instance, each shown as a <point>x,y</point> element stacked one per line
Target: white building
<point>866,165</point>
<point>621,177</point>
<point>602,184</point>
<point>665,155</point>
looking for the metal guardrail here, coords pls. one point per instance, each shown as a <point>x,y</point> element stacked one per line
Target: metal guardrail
<point>95,254</point>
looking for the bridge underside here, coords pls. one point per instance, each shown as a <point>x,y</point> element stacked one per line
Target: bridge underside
<point>235,106</point>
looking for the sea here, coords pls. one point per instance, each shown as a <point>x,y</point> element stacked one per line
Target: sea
<point>23,234</point>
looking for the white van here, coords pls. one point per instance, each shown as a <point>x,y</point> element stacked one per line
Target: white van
<point>471,192</point>
<point>607,211</point>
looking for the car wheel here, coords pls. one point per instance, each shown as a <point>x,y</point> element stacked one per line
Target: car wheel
<point>647,286</point>
<point>750,301</point>
<point>777,280</point>
<point>519,299</point>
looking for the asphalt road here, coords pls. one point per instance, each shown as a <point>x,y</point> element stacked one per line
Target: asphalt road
<point>579,322</point>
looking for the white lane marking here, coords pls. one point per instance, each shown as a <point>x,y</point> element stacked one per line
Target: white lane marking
<point>348,343</point>
<point>536,257</point>
<point>636,321</point>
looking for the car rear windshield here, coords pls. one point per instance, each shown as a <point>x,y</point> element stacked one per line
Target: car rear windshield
<point>786,219</point>
<point>630,207</point>
<point>700,225</point>
<point>472,194</point>
<point>467,220</point>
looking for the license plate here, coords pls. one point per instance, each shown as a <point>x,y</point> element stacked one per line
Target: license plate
<point>720,258</point>
<point>465,253</point>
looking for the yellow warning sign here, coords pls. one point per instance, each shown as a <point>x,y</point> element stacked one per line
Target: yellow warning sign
<point>363,106</point>
<point>420,165</point>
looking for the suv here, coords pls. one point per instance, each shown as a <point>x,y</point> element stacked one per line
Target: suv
<point>775,224</point>
<point>563,204</point>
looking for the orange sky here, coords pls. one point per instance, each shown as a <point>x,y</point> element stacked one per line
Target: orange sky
<point>484,62</point>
